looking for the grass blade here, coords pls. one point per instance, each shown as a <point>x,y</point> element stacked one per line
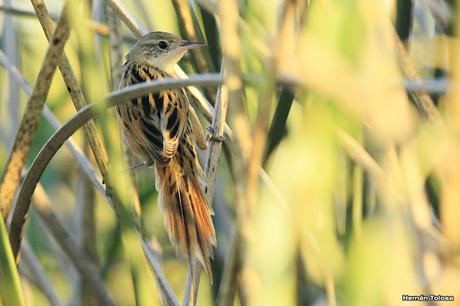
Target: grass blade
<point>10,287</point>
<point>278,125</point>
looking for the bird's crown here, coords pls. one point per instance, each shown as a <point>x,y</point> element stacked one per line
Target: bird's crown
<point>161,50</point>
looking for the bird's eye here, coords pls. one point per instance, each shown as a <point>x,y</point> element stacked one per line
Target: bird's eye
<point>162,44</point>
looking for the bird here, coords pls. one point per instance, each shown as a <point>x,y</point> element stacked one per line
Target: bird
<point>164,130</point>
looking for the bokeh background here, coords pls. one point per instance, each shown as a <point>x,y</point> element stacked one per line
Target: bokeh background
<point>340,184</point>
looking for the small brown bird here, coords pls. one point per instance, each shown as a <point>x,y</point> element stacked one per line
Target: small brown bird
<point>163,128</point>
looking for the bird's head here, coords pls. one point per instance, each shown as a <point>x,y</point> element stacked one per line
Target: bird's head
<point>160,49</point>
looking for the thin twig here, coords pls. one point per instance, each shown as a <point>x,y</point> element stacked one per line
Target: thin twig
<point>228,286</point>
<point>228,13</point>
<point>31,263</point>
<point>267,180</point>
<point>185,19</point>
<point>131,22</point>
<point>423,100</point>
<point>214,148</point>
<point>85,220</point>
<point>29,122</point>
<point>83,214</point>
<point>201,102</point>
<point>165,288</point>
<point>210,168</point>
<point>357,201</point>
<point>69,244</point>
<point>11,49</point>
<point>360,156</point>
<point>330,291</point>
<point>116,47</point>
<point>116,61</point>
<point>266,101</point>
<point>77,153</point>
<point>433,86</point>
<point>144,12</point>
<point>140,89</point>
<point>98,27</point>
<point>75,150</point>
<point>8,9</point>
<point>192,283</point>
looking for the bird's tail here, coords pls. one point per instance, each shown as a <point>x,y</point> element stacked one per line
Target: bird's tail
<point>187,215</point>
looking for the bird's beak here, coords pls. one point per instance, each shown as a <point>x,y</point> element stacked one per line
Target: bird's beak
<point>192,44</point>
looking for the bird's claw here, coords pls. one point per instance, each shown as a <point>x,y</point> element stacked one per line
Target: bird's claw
<point>210,135</point>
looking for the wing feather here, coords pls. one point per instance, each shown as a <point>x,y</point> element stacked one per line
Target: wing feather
<point>156,122</point>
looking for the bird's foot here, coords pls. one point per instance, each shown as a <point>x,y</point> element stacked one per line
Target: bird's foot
<point>210,135</point>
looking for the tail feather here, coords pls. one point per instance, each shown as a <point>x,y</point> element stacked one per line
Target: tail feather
<point>187,215</point>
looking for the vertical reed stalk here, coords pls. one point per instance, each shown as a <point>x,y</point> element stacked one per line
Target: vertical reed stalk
<point>29,122</point>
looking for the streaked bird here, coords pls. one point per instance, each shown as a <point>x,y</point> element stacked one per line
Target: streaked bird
<point>163,128</point>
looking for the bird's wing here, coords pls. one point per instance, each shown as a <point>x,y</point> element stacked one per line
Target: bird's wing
<point>173,119</point>
<point>155,122</point>
<point>197,130</point>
